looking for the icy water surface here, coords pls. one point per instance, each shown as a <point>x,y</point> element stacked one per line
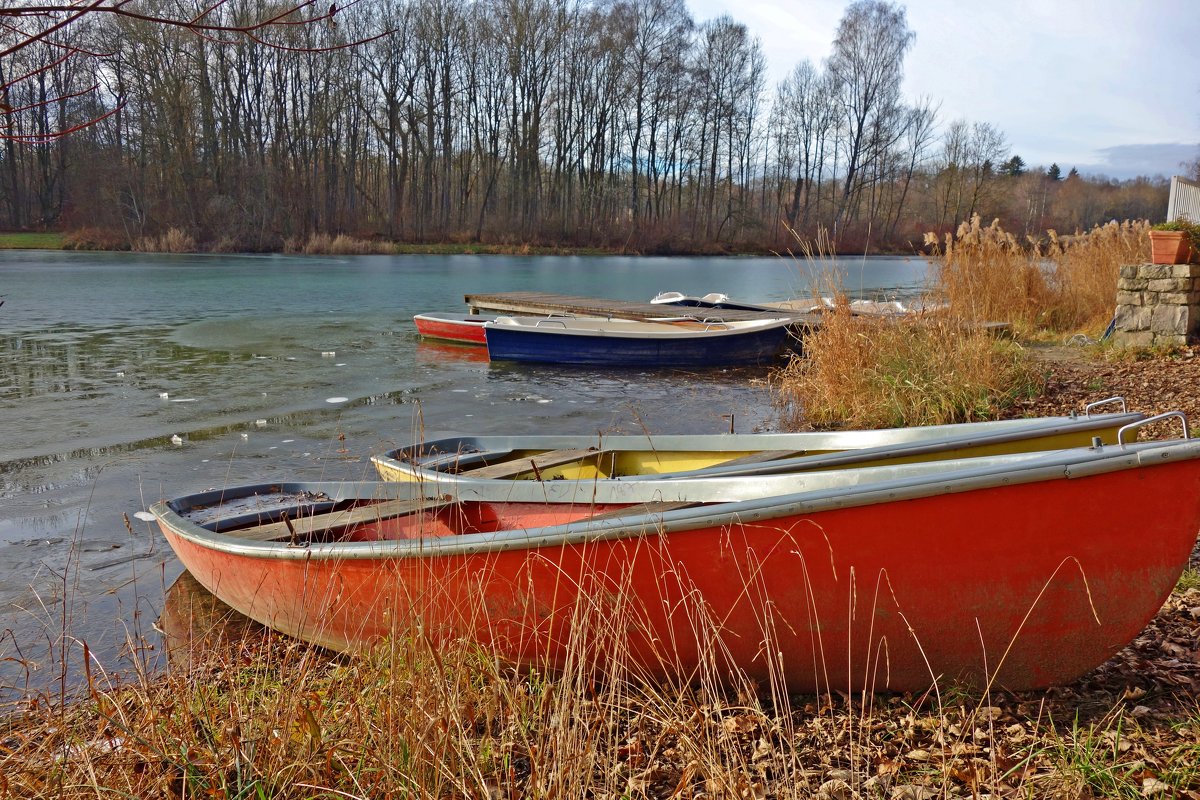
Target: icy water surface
<point>128,378</point>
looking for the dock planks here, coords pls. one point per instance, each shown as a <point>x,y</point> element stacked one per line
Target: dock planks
<point>540,304</point>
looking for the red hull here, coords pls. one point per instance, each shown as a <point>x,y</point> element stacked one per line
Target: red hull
<point>465,329</point>
<point>1035,584</point>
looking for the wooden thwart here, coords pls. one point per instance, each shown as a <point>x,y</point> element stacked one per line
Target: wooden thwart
<point>547,460</point>
<point>319,523</point>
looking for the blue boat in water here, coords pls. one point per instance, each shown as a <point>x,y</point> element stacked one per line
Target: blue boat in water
<point>631,343</point>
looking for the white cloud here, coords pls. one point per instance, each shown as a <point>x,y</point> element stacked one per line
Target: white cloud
<point>1067,81</point>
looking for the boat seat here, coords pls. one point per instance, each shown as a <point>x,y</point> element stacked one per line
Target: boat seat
<point>651,507</point>
<point>762,455</point>
<point>518,466</point>
<point>305,526</point>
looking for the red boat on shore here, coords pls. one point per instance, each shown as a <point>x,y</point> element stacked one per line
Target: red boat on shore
<point>1023,570</point>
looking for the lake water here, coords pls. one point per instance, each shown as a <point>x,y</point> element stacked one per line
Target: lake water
<point>127,378</point>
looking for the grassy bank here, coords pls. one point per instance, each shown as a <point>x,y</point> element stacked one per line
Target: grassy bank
<point>31,241</point>
<point>175,241</point>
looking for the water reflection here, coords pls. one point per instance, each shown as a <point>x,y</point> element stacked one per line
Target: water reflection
<point>197,628</point>
<point>434,352</point>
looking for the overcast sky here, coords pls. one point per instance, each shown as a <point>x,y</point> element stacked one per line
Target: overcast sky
<point>1107,86</point>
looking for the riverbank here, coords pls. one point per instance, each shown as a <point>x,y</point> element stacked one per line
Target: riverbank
<point>258,715</point>
<point>1151,383</point>
<point>95,241</point>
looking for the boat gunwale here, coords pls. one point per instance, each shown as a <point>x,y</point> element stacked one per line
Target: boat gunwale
<point>1055,465</point>
<point>452,317</point>
<point>644,330</point>
<point>1052,426</point>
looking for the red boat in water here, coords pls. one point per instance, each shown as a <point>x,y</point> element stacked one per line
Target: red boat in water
<point>1026,570</point>
<point>466,328</point>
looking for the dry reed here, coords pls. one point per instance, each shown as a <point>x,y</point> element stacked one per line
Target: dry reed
<point>1084,277</point>
<point>94,239</point>
<point>862,371</point>
<point>341,245</point>
<point>173,241</point>
<point>1065,284</point>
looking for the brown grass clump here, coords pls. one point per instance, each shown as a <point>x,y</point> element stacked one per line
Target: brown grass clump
<point>341,245</point>
<point>1085,270</point>
<point>94,239</point>
<point>861,371</point>
<point>174,240</point>
<point>1066,284</point>
<point>986,275</point>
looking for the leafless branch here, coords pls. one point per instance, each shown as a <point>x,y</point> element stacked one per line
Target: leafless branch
<point>31,24</point>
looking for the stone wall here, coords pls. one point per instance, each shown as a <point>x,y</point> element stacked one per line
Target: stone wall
<point>1158,304</point>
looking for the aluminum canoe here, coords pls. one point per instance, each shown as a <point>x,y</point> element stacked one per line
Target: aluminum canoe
<point>652,457</point>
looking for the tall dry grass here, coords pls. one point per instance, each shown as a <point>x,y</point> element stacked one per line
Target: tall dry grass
<point>262,716</point>
<point>1066,283</point>
<point>174,240</point>
<point>269,717</point>
<point>863,371</point>
<point>341,245</point>
<point>868,372</point>
<point>1086,268</point>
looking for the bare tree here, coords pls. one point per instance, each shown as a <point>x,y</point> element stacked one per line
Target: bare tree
<point>729,73</point>
<point>968,169</point>
<point>805,107</point>
<point>868,65</point>
<point>919,136</point>
<point>655,39</point>
<point>26,25</point>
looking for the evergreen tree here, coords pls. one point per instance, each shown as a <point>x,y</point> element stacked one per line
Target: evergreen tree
<point>1013,167</point>
<point>1054,173</point>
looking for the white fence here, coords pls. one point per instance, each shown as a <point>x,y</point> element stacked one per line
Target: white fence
<point>1184,200</point>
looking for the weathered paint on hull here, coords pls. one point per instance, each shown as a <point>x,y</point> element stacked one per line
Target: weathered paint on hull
<point>1035,583</point>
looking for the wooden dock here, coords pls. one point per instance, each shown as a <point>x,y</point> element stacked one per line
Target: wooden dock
<point>540,304</point>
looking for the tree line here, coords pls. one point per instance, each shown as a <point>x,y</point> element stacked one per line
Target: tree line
<point>612,123</point>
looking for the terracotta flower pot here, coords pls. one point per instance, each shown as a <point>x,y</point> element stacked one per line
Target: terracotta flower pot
<point>1170,247</point>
